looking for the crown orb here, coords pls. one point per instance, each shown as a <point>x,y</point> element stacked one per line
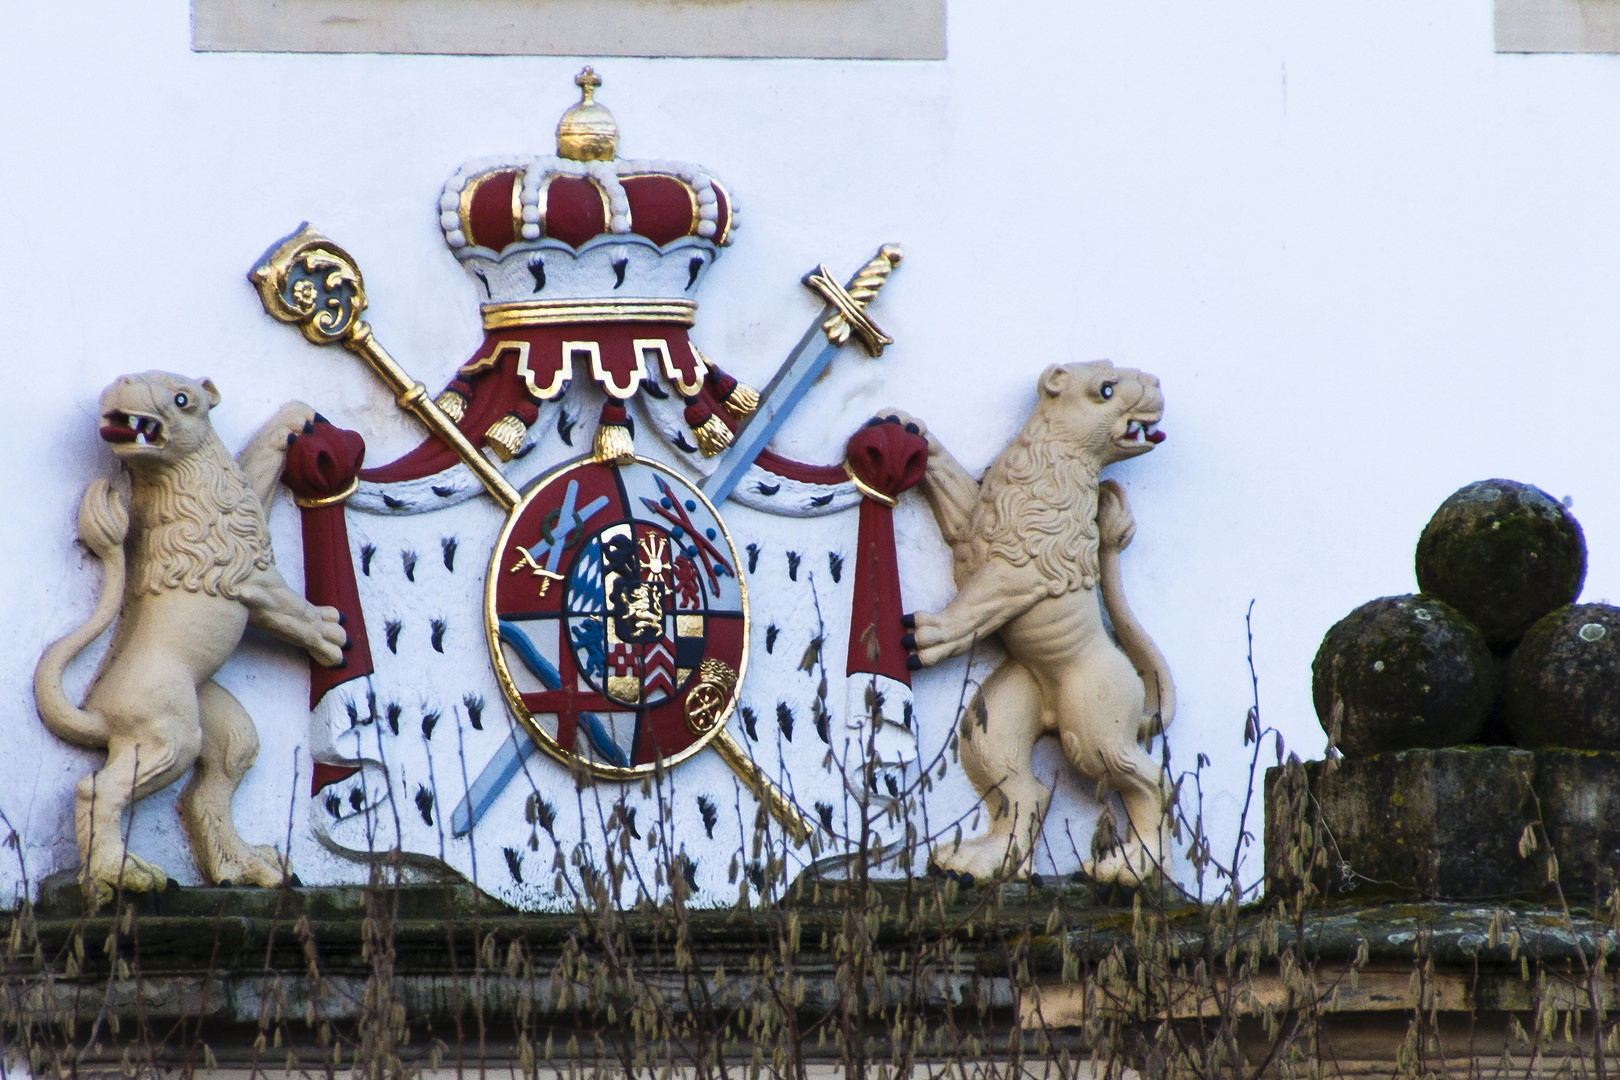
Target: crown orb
<point>587,131</point>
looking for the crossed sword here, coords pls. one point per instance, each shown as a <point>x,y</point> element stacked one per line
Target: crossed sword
<point>309,282</point>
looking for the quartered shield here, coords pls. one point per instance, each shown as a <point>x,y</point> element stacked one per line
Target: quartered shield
<point>617,620</point>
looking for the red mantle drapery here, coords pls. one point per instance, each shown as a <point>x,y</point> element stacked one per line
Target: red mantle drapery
<point>321,470</point>
<point>884,459</point>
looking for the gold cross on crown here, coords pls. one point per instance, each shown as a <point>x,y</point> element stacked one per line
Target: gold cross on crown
<point>587,81</point>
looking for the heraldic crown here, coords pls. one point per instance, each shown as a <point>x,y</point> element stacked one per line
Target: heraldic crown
<point>586,258</point>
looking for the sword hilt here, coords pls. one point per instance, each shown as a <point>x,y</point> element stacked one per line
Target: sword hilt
<point>311,283</point>
<point>849,301</point>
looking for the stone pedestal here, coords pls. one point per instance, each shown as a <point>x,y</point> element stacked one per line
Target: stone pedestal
<point>1451,824</point>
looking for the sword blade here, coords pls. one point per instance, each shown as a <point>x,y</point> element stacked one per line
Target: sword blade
<point>784,392</point>
<point>501,770</point>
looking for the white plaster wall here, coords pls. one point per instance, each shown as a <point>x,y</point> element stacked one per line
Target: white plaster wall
<point>1371,259</point>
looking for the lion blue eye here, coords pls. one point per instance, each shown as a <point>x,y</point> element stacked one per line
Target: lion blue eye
<point>182,400</point>
<point>1107,390</point>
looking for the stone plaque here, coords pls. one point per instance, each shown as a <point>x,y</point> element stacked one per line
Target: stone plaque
<point>1557,26</point>
<point>829,29</point>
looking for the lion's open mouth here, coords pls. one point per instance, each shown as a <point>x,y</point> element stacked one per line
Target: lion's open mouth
<point>137,428</point>
<point>1140,431</point>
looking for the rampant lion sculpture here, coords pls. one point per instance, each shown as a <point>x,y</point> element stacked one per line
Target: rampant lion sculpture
<point>199,571</point>
<point>1030,544</point>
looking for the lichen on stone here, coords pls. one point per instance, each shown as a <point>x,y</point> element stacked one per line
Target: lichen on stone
<point>1563,685</point>
<point>1402,672</point>
<point>1503,554</point>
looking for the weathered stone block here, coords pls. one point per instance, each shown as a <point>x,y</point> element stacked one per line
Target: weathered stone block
<point>1579,793</point>
<point>1449,824</point>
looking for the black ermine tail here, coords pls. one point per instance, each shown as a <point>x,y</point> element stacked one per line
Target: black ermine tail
<point>103,525</point>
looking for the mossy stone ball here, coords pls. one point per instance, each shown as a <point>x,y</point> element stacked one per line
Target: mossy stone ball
<point>1563,684</point>
<point>1504,554</point>
<point>1402,673</point>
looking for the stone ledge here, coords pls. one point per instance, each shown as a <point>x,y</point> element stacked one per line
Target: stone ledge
<point>1486,966</point>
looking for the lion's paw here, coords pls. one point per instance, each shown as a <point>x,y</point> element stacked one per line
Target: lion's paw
<point>903,418</point>
<point>1129,866</point>
<point>925,639</point>
<point>331,638</point>
<point>260,865</point>
<point>136,875</point>
<point>981,858</point>
<point>293,418</point>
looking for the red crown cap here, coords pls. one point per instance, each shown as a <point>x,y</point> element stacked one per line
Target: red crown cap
<point>583,192</point>
<point>661,201</point>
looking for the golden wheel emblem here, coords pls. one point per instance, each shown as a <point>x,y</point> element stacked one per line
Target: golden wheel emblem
<point>707,702</point>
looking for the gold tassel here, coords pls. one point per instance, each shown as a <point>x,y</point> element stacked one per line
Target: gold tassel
<point>712,435</point>
<point>505,436</point>
<point>452,405</point>
<point>613,445</point>
<point>743,401</point>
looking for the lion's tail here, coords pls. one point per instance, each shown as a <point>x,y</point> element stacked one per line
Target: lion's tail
<point>1144,654</point>
<point>103,525</point>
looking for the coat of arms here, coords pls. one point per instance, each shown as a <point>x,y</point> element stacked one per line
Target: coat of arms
<point>547,602</point>
<point>570,638</point>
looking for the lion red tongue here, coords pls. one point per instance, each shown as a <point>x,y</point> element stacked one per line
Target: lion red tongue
<point>1155,436</point>
<point>116,433</point>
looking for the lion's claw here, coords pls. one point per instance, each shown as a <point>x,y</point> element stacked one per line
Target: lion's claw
<point>904,419</point>
<point>979,859</point>
<point>332,639</point>
<point>260,865</point>
<point>135,875</point>
<point>1128,866</point>
<point>295,418</point>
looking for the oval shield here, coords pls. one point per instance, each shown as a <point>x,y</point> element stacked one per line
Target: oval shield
<point>617,620</point>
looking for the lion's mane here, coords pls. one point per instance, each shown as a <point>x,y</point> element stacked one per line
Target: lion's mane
<point>198,526</point>
<point>1038,503</point>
